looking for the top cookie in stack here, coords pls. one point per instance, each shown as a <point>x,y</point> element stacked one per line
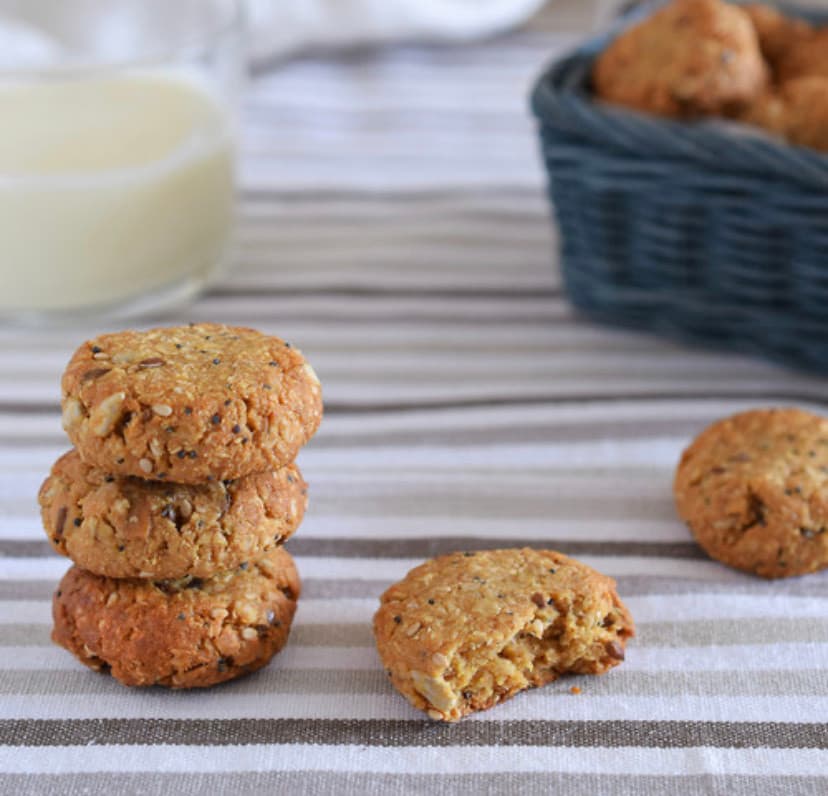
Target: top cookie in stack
<point>189,404</point>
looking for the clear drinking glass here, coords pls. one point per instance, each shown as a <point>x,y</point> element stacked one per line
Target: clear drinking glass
<point>117,152</point>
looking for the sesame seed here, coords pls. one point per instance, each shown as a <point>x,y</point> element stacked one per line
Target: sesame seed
<point>215,419</point>
<point>236,428</point>
<point>216,361</point>
<point>163,410</point>
<point>152,362</point>
<point>96,349</point>
<point>145,465</point>
<point>76,522</point>
<point>181,454</point>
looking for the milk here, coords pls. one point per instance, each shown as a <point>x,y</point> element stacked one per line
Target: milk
<point>110,188</point>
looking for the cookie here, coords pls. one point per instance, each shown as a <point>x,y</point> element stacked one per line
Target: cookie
<point>124,527</point>
<point>778,33</point>
<point>189,404</point>
<point>753,488</point>
<point>808,58</point>
<point>691,58</point>
<point>465,631</point>
<point>182,634</point>
<point>797,112</point>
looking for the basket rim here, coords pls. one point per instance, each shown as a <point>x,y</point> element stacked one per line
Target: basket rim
<point>561,98</point>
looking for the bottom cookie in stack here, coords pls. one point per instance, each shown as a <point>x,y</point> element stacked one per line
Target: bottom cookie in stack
<point>188,633</point>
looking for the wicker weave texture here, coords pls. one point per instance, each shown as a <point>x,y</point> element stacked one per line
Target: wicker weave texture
<point>708,231</point>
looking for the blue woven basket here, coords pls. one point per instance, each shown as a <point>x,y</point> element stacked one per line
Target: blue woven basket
<point>706,231</point>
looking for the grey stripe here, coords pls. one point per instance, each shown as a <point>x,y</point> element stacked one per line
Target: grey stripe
<point>373,682</point>
<point>628,586</point>
<point>429,547</point>
<point>702,633</point>
<point>334,783</point>
<point>426,547</point>
<point>400,732</point>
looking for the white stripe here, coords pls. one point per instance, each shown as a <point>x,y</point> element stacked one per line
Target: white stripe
<point>24,568</point>
<point>446,375</point>
<point>421,759</point>
<point>738,657</point>
<point>564,415</point>
<point>677,609</point>
<point>396,568</point>
<point>470,525</point>
<point>534,705</point>
<point>657,452</point>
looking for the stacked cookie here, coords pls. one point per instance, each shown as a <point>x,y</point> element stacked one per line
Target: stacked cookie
<point>176,499</point>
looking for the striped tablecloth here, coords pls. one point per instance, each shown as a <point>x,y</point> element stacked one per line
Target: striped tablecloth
<point>393,226</point>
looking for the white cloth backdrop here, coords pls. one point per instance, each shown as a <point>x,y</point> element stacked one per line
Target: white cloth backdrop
<point>284,26</point>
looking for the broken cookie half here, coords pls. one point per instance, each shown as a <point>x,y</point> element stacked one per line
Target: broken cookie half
<point>465,631</point>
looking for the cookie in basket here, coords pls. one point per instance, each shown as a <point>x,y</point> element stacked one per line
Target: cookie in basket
<point>797,112</point>
<point>809,58</point>
<point>691,58</point>
<point>190,403</point>
<point>753,489</point>
<point>778,33</point>
<point>125,527</point>
<point>465,631</point>
<point>191,633</point>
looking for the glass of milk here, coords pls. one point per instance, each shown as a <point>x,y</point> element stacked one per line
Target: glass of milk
<point>117,150</point>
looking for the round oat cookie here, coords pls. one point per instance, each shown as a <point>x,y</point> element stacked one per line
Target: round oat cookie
<point>807,58</point>
<point>465,631</point>
<point>124,527</point>
<point>189,403</point>
<point>753,488</point>
<point>797,112</point>
<point>691,58</point>
<point>190,633</point>
<point>778,33</point>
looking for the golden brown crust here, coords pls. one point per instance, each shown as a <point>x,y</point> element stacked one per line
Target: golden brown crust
<point>189,404</point>
<point>778,33</point>
<point>465,631</point>
<point>807,57</point>
<point>806,102</point>
<point>753,488</point>
<point>796,112</point>
<point>187,634</point>
<point>691,58</point>
<point>124,527</point>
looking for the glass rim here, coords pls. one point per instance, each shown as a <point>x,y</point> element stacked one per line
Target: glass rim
<point>233,22</point>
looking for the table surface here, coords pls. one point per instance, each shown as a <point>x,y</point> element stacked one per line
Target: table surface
<point>393,226</point>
